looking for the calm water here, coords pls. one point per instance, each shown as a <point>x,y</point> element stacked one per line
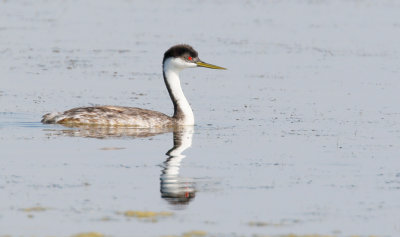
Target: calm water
<point>301,135</point>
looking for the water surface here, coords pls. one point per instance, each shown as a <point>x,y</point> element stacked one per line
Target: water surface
<point>300,135</point>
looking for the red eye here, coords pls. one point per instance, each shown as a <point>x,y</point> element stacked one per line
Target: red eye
<point>190,58</point>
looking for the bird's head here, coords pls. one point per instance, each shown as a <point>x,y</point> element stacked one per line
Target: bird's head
<point>183,56</point>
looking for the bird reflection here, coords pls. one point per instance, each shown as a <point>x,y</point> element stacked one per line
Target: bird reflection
<point>175,189</point>
<point>110,132</point>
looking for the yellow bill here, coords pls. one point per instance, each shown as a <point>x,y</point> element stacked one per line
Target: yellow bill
<point>203,64</point>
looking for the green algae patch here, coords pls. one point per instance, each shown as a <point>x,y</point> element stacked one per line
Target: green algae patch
<point>194,233</point>
<point>285,222</point>
<point>309,235</point>
<point>88,234</point>
<point>106,218</point>
<point>264,224</point>
<point>112,148</point>
<point>147,215</point>
<point>259,223</point>
<point>34,209</point>
<point>294,235</point>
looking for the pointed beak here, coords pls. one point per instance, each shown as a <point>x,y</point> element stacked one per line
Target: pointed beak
<point>203,64</point>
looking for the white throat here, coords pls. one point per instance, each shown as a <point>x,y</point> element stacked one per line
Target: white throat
<point>183,111</point>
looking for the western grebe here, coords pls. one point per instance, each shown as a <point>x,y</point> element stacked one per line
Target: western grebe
<point>175,60</point>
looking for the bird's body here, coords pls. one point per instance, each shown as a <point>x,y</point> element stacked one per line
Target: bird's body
<point>175,60</point>
<point>110,116</point>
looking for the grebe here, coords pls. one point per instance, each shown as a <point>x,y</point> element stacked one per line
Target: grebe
<point>175,60</point>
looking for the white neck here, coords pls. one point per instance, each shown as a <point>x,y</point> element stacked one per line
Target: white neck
<point>183,112</point>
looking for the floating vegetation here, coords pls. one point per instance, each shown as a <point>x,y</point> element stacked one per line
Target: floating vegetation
<point>106,218</point>
<point>260,223</point>
<point>285,222</point>
<point>34,209</point>
<point>311,235</point>
<point>147,215</point>
<point>193,233</point>
<point>294,235</point>
<point>112,148</point>
<point>88,234</point>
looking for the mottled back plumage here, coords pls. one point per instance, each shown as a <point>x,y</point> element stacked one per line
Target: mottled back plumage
<point>110,116</point>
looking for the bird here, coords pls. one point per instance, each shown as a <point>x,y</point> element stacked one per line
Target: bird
<point>175,59</point>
